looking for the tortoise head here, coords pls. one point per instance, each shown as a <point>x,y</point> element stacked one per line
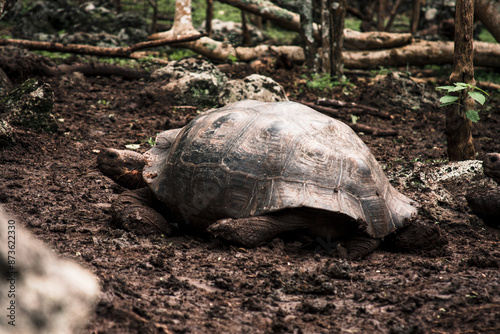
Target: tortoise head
<point>122,166</point>
<point>491,166</point>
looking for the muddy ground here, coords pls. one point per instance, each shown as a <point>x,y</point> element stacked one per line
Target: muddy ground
<point>192,284</point>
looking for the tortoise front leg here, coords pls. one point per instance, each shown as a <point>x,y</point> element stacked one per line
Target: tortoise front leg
<point>133,211</point>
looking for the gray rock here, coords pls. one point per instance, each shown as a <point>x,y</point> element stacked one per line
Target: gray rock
<point>101,39</point>
<point>41,293</point>
<point>5,84</point>
<point>443,186</point>
<point>188,82</point>
<point>31,105</point>
<point>232,32</point>
<point>7,135</point>
<point>253,87</point>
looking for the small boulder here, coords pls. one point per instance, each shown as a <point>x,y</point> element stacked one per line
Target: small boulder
<point>5,83</point>
<point>41,293</point>
<point>188,82</point>
<point>254,87</point>
<point>30,105</point>
<point>7,134</point>
<point>232,32</point>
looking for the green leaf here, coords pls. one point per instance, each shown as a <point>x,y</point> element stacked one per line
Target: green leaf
<point>448,99</point>
<point>457,89</point>
<point>445,87</point>
<point>480,98</point>
<point>472,115</point>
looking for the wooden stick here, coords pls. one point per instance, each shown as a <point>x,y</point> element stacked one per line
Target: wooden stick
<point>354,107</point>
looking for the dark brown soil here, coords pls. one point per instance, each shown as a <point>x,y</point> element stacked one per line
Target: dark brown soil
<point>188,284</point>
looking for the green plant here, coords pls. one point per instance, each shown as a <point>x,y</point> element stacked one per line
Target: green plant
<point>151,141</point>
<point>474,92</point>
<point>178,54</point>
<point>380,71</point>
<point>322,81</point>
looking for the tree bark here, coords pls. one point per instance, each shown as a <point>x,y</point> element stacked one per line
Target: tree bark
<point>326,36</point>
<point>247,40</point>
<point>183,24</point>
<point>392,15</point>
<point>269,11</point>
<point>154,20</point>
<point>307,33</point>
<point>488,13</point>
<point>337,17</point>
<point>415,16</point>
<point>458,127</point>
<point>382,9</point>
<point>209,16</point>
<point>332,27</point>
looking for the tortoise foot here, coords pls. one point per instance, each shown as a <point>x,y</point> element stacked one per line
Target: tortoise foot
<point>357,247</point>
<point>249,232</point>
<point>418,238</point>
<point>132,211</point>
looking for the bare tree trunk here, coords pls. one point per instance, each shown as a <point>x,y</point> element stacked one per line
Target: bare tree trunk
<point>415,16</point>
<point>326,26</point>
<point>183,24</point>
<point>209,17</point>
<point>338,9</point>
<point>332,28</point>
<point>458,127</point>
<point>154,21</point>
<point>307,33</point>
<point>488,13</point>
<point>268,10</point>
<point>244,27</point>
<point>392,15</point>
<point>382,9</point>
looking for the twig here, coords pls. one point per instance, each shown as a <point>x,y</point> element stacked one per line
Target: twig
<point>372,131</point>
<point>355,106</point>
<point>356,127</point>
<point>96,50</point>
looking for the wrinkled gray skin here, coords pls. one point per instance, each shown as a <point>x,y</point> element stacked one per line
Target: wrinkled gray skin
<point>251,170</point>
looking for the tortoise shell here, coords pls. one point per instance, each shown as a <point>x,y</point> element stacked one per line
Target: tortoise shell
<point>253,158</point>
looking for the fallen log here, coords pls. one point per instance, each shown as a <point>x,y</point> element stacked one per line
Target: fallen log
<point>421,53</point>
<point>375,40</point>
<point>415,54</point>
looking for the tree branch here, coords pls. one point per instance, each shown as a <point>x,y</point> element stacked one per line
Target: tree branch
<point>124,52</point>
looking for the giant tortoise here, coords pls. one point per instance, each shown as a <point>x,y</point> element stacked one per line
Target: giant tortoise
<point>251,170</point>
